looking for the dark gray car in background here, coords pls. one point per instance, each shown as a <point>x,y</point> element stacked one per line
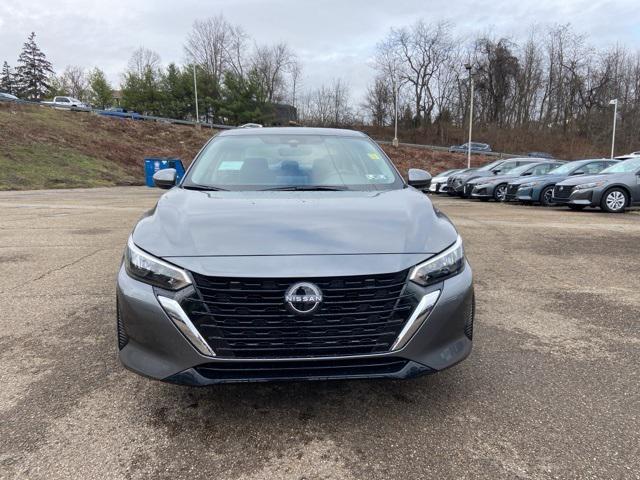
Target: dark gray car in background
<point>457,184</point>
<point>293,253</point>
<point>613,190</point>
<point>540,189</point>
<point>495,187</point>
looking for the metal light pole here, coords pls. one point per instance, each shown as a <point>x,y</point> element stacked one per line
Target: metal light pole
<point>468,67</point>
<point>395,135</point>
<point>195,90</point>
<point>614,102</point>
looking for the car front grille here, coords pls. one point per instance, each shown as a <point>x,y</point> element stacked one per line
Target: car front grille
<point>282,370</point>
<point>247,318</point>
<point>123,338</point>
<point>512,190</point>
<point>562,191</point>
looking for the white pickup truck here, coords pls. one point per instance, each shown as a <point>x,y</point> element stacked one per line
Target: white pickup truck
<point>66,102</point>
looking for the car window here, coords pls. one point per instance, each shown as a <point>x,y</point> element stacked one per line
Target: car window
<point>543,169</point>
<point>520,170</point>
<point>590,168</point>
<point>507,167</point>
<point>628,166</point>
<point>63,99</point>
<point>257,162</point>
<point>490,166</point>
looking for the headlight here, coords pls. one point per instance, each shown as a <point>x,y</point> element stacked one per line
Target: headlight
<point>529,185</point>
<point>586,186</point>
<point>443,265</point>
<point>149,269</point>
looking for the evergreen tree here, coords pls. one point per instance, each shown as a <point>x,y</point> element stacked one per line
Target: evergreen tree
<point>33,71</point>
<point>100,92</point>
<point>177,92</point>
<point>6,79</point>
<point>141,91</point>
<point>243,99</point>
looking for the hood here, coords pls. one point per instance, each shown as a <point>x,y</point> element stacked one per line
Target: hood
<point>580,179</point>
<point>494,179</point>
<point>521,180</point>
<point>188,223</point>
<point>440,179</point>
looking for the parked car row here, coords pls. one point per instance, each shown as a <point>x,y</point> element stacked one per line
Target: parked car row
<point>612,185</point>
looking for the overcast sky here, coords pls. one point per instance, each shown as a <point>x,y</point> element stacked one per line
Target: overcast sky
<point>334,38</point>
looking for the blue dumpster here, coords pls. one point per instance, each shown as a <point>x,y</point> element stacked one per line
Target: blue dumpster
<point>152,165</point>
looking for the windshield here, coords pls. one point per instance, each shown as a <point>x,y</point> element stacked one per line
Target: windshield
<point>566,168</point>
<point>627,166</point>
<point>521,169</point>
<point>268,162</point>
<point>489,166</point>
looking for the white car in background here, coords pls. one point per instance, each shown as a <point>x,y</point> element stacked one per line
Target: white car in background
<point>439,182</point>
<point>67,102</point>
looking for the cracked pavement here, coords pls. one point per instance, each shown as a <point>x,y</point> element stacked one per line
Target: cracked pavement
<point>551,390</point>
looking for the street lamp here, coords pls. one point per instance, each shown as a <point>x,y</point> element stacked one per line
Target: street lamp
<point>468,67</point>
<point>395,93</point>
<point>195,90</point>
<point>614,102</point>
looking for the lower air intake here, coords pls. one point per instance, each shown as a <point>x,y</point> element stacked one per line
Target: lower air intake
<point>301,370</point>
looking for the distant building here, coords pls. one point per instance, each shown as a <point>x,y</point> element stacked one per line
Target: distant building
<point>117,98</point>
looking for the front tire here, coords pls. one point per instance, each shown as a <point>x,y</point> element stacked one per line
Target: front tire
<point>500,192</point>
<point>614,200</point>
<point>545,196</point>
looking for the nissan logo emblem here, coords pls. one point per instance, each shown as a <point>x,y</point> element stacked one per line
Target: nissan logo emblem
<point>303,298</point>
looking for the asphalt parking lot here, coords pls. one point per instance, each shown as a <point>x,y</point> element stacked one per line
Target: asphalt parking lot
<point>551,390</point>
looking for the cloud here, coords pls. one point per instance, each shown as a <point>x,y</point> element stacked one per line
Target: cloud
<point>334,38</point>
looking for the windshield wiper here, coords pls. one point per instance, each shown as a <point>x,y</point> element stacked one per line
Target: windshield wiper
<point>204,188</point>
<point>305,188</point>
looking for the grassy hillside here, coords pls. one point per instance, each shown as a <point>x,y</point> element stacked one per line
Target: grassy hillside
<point>45,148</point>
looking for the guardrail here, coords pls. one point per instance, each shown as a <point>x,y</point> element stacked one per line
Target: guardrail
<point>439,148</point>
<point>176,121</point>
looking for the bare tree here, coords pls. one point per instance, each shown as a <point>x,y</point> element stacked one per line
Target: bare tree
<point>74,82</point>
<point>271,62</point>
<point>378,102</point>
<point>216,45</point>
<point>142,61</point>
<point>415,54</point>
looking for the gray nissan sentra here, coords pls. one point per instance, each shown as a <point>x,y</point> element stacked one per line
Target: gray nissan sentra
<point>293,254</point>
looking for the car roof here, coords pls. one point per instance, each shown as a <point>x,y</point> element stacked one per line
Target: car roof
<point>336,132</point>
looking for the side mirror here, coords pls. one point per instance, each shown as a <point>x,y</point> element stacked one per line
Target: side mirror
<point>419,179</point>
<point>165,178</point>
<point>496,172</point>
<point>577,173</point>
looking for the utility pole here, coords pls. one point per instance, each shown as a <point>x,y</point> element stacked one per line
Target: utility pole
<point>468,67</point>
<point>614,102</point>
<point>195,90</point>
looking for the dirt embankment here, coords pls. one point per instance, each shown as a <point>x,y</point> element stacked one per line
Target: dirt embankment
<point>45,148</point>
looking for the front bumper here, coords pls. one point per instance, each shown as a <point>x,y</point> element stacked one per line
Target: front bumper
<point>485,192</point>
<point>153,346</point>
<point>577,197</point>
<point>438,187</point>
<point>526,195</point>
